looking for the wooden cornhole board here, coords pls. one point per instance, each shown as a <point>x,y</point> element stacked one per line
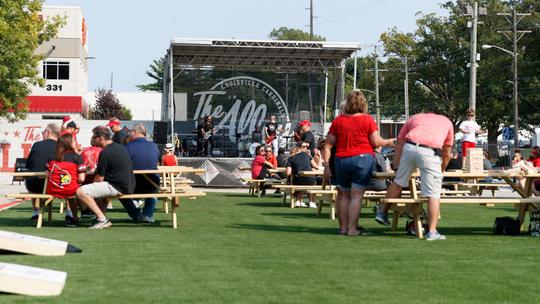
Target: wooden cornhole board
<point>31,244</point>
<point>31,281</point>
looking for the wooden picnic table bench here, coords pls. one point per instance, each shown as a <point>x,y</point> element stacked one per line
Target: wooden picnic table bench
<point>478,188</point>
<point>413,205</point>
<point>170,192</point>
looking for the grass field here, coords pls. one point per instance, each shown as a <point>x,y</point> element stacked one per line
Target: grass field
<point>232,248</point>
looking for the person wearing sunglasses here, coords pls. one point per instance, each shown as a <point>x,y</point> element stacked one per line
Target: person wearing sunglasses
<point>469,128</point>
<point>259,165</point>
<point>270,156</point>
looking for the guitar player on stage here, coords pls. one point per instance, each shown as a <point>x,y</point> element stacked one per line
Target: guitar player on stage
<point>205,136</point>
<point>270,133</point>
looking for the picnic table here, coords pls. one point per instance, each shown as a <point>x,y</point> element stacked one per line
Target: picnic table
<point>171,191</point>
<point>413,204</point>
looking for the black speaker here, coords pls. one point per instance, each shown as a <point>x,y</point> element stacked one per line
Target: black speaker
<point>160,132</point>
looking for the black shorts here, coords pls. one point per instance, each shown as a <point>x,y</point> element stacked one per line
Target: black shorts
<point>35,185</point>
<point>304,180</point>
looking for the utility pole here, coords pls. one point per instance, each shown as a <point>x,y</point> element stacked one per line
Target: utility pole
<point>474,11</point>
<point>516,36</point>
<point>355,63</point>
<point>473,64</point>
<point>377,107</point>
<point>310,20</point>
<point>406,88</point>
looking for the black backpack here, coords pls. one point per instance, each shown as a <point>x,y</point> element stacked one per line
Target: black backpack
<point>506,226</point>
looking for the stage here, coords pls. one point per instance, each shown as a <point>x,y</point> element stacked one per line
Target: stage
<point>220,172</point>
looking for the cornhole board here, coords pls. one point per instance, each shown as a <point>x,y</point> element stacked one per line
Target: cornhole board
<point>31,281</point>
<point>31,244</point>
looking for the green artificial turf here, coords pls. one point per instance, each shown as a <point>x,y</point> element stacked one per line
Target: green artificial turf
<point>233,248</point>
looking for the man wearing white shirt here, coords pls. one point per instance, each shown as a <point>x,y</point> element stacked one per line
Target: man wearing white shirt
<point>469,128</point>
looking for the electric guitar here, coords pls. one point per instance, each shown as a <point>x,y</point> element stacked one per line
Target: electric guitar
<point>209,133</point>
<point>268,139</point>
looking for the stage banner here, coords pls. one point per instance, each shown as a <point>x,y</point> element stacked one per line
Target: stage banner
<point>220,172</point>
<point>242,102</point>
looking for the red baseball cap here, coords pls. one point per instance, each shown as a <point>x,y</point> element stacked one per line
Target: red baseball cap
<point>305,123</point>
<point>113,122</point>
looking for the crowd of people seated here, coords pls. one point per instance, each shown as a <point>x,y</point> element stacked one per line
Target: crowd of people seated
<point>89,177</point>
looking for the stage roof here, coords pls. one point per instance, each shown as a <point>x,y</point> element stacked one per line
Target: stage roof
<point>273,55</point>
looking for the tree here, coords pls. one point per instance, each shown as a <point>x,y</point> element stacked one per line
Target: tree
<point>285,33</point>
<point>107,106</point>
<point>22,30</point>
<point>439,52</point>
<point>156,73</point>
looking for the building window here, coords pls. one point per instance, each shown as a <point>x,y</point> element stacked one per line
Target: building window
<point>55,70</point>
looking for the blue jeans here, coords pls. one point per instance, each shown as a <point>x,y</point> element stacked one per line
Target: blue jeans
<point>354,171</point>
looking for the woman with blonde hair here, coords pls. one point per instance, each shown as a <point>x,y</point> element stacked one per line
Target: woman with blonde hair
<point>354,134</point>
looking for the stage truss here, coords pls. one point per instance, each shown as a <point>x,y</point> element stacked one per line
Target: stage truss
<point>254,55</point>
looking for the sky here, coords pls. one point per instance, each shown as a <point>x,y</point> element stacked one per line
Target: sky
<point>125,36</point>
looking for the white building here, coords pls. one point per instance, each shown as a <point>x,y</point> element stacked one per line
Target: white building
<point>65,68</point>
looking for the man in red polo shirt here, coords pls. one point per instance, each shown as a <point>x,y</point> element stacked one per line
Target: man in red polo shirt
<point>421,145</point>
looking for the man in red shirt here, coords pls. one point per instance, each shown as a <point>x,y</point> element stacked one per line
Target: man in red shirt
<point>428,148</point>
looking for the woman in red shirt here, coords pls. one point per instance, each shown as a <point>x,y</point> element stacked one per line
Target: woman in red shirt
<point>354,134</point>
<point>259,164</point>
<point>65,173</point>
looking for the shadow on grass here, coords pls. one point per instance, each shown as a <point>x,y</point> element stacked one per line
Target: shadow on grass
<point>313,230</point>
<point>260,204</point>
<point>85,223</point>
<point>295,214</point>
<point>292,229</point>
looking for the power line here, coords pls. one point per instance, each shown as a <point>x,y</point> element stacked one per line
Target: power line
<point>345,14</point>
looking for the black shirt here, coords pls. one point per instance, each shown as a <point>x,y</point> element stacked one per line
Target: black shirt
<point>40,153</point>
<point>115,166</point>
<point>299,162</point>
<point>120,136</point>
<point>271,128</point>
<point>310,139</point>
<point>453,164</point>
<point>281,160</point>
<point>206,127</point>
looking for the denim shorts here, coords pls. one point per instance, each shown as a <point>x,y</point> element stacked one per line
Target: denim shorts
<point>354,171</point>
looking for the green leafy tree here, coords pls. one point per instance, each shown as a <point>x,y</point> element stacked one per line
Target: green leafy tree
<point>285,33</point>
<point>22,30</point>
<point>107,106</point>
<point>156,73</point>
<point>439,53</point>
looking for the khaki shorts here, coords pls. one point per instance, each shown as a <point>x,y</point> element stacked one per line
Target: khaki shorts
<point>414,157</point>
<point>100,189</point>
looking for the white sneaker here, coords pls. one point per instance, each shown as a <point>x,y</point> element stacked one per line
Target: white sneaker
<point>312,205</point>
<point>148,219</point>
<point>300,204</point>
<point>144,218</point>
